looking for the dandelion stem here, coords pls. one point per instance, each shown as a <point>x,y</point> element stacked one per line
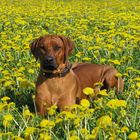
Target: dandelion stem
<point>135,117</point>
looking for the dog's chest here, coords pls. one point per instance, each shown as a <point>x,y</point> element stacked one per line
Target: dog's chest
<point>54,85</point>
<point>56,89</point>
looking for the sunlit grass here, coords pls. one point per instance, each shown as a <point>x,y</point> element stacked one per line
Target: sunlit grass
<point>104,32</point>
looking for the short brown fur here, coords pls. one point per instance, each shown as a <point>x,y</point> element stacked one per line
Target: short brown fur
<point>65,90</point>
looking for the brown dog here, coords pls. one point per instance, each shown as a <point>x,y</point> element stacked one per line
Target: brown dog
<point>58,83</point>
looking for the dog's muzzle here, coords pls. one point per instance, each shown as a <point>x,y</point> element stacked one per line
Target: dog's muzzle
<point>49,63</point>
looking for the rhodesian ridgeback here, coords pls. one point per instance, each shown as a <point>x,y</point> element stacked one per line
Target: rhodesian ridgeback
<point>60,84</point>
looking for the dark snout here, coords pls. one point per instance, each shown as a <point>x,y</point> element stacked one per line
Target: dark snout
<point>49,63</point>
<point>49,59</point>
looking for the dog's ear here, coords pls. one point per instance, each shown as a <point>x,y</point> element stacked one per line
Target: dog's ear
<point>68,46</point>
<point>33,47</point>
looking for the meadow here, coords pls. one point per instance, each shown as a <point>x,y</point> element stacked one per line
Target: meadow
<point>104,32</point>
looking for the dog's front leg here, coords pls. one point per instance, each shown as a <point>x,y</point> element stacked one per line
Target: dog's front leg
<point>41,106</point>
<point>66,102</point>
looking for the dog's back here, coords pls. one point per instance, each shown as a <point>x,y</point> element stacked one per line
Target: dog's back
<point>89,74</point>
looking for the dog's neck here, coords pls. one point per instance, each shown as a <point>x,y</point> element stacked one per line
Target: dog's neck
<point>61,72</point>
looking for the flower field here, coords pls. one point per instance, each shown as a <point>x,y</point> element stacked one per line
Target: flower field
<point>104,32</point>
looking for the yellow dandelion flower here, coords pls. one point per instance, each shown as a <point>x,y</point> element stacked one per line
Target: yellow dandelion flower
<point>68,115</point>
<point>52,110</point>
<point>89,137</point>
<point>116,62</point>
<point>113,136</point>
<point>103,92</point>
<point>47,123</point>
<point>79,54</point>
<point>8,117</point>
<point>88,91</point>
<point>115,103</point>
<point>38,65</point>
<point>44,136</point>
<point>5,98</point>
<point>119,49</point>
<point>29,131</point>
<point>104,121</point>
<point>137,94</point>
<point>11,105</point>
<point>85,103</point>
<point>7,120</point>
<point>123,112</point>
<point>95,132</point>
<point>8,83</point>
<point>6,123</point>
<point>32,84</point>
<point>122,103</point>
<point>133,136</point>
<point>90,48</point>
<point>24,83</point>
<point>125,75</point>
<point>124,129</point>
<point>58,120</point>
<point>137,79</point>
<point>31,71</point>
<point>112,103</point>
<point>118,75</point>
<point>84,131</point>
<point>75,107</point>
<point>17,138</point>
<point>74,138</point>
<point>2,106</point>
<point>1,134</point>
<point>102,60</point>
<point>27,113</point>
<point>138,84</point>
<point>130,69</point>
<point>77,122</point>
<point>86,59</point>
<point>10,134</point>
<point>110,46</point>
<point>100,84</point>
<point>96,53</point>
<point>21,69</point>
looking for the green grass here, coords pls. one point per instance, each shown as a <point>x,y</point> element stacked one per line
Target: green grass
<point>104,32</point>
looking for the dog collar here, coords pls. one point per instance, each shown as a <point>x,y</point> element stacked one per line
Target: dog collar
<point>57,74</point>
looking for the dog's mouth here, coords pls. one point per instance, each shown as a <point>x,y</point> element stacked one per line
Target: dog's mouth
<point>50,66</point>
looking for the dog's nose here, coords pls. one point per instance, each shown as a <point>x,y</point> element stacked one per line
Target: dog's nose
<point>49,59</point>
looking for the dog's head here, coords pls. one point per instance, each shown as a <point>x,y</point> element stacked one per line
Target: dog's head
<point>51,50</point>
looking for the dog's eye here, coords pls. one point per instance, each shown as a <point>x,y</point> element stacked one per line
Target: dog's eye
<point>56,48</point>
